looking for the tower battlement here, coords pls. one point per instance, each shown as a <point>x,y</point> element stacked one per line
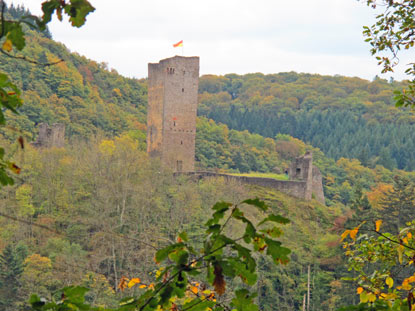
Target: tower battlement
<point>171,115</point>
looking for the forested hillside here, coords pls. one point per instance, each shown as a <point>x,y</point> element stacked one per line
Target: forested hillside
<point>344,117</point>
<point>97,209</point>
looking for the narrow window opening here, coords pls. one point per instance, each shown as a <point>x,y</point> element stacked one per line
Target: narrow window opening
<point>174,123</point>
<point>179,165</point>
<point>298,170</point>
<point>181,142</point>
<point>183,90</point>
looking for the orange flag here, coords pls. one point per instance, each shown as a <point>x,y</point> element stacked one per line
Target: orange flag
<point>180,43</point>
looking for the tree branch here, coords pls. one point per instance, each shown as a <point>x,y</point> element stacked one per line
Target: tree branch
<point>24,58</point>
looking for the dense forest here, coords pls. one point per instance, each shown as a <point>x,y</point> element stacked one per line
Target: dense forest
<point>344,117</point>
<point>97,209</point>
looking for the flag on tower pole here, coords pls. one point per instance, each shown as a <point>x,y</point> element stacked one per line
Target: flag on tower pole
<point>180,43</point>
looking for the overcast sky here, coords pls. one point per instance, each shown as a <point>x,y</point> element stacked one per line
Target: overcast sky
<point>230,36</point>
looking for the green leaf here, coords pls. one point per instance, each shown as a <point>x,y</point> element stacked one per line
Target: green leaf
<point>243,301</point>
<point>78,10</point>
<point>275,218</point>
<point>35,302</point>
<point>257,203</point>
<point>16,36</point>
<point>164,252</point>
<point>278,253</point>
<point>241,269</point>
<point>75,294</point>
<point>165,295</point>
<point>179,256</point>
<point>198,305</point>
<point>244,254</point>
<point>250,230</point>
<point>48,7</point>
<point>214,229</point>
<point>218,215</point>
<point>183,235</point>
<point>221,205</point>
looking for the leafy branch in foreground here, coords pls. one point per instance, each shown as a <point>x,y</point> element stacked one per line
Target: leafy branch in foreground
<point>385,266</point>
<point>393,31</point>
<point>192,278</point>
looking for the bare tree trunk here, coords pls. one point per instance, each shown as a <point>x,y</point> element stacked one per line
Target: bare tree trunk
<point>114,263</point>
<point>308,289</point>
<point>304,300</point>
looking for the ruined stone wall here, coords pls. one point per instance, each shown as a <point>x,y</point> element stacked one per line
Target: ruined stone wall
<point>317,185</point>
<point>172,108</point>
<point>48,137</point>
<point>301,169</point>
<point>294,188</point>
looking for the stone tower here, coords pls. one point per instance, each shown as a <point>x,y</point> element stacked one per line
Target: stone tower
<point>171,114</point>
<point>53,136</point>
<point>302,169</point>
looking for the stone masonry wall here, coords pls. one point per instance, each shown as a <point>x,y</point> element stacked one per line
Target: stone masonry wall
<point>171,130</point>
<point>53,136</point>
<point>292,187</point>
<point>172,108</point>
<point>317,185</point>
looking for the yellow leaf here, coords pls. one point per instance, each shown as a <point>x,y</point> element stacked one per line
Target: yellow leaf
<point>364,297</point>
<point>345,234</point>
<point>133,281</point>
<point>7,45</point>
<point>389,281</point>
<point>409,235</point>
<point>371,297</point>
<point>400,253</point>
<point>142,286</point>
<point>378,223</point>
<point>359,290</point>
<point>353,233</point>
<point>194,289</point>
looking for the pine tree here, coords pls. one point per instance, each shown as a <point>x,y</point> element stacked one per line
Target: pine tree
<point>11,267</point>
<point>361,207</point>
<point>398,204</point>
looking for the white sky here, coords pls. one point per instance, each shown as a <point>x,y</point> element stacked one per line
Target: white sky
<point>230,36</point>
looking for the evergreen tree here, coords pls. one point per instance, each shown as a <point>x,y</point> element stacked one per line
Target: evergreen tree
<point>361,207</point>
<point>364,155</point>
<point>398,204</point>
<point>386,160</point>
<point>11,267</point>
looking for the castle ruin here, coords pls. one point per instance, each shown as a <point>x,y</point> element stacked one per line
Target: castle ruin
<point>171,115</point>
<point>53,136</point>
<point>303,170</point>
<point>171,130</point>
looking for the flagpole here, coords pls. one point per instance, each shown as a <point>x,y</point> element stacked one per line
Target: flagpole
<point>182,49</point>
